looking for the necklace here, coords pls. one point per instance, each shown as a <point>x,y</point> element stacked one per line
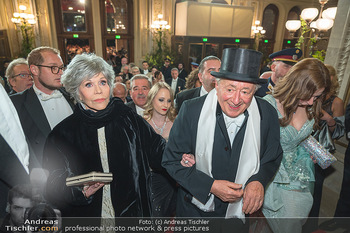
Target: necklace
<point>160,129</point>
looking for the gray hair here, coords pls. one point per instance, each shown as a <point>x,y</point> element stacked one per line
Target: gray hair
<point>84,67</point>
<point>201,65</point>
<point>139,76</point>
<point>123,85</point>
<point>175,69</point>
<point>9,71</point>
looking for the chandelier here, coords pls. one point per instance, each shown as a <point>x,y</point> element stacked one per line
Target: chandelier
<point>323,23</point>
<point>160,24</point>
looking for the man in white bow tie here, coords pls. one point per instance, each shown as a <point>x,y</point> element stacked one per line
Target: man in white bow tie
<point>235,140</point>
<point>43,106</point>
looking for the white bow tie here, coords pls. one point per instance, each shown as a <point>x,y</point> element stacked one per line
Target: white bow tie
<point>55,94</point>
<point>238,121</point>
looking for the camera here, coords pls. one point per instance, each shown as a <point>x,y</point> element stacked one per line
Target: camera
<point>41,216</point>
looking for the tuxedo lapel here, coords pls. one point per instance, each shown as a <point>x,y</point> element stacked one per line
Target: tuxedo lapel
<point>36,112</point>
<point>69,99</point>
<point>197,92</point>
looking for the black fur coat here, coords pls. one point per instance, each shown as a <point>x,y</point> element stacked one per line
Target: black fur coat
<point>133,148</point>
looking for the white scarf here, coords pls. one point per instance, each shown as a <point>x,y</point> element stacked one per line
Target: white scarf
<point>11,129</point>
<point>249,160</point>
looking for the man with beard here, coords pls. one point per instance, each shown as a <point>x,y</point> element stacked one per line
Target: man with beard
<point>208,64</point>
<point>41,107</point>
<point>139,88</point>
<point>282,62</point>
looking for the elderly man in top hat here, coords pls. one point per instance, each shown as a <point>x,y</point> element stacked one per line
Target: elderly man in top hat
<point>234,138</point>
<point>282,62</point>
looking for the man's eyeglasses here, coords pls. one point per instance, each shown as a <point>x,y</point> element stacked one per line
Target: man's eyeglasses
<point>23,75</point>
<point>54,69</point>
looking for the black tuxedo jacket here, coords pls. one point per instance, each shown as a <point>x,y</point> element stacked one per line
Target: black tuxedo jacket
<point>225,158</point>
<point>186,95</point>
<point>33,119</point>
<point>179,86</point>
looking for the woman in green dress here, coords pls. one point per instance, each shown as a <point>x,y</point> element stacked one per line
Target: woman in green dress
<point>297,99</point>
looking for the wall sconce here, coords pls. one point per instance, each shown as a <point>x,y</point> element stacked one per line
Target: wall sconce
<point>259,33</point>
<point>258,29</point>
<point>160,24</point>
<point>23,18</point>
<point>24,22</point>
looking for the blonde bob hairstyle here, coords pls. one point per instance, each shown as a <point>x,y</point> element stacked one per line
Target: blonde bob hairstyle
<point>300,83</point>
<point>148,113</point>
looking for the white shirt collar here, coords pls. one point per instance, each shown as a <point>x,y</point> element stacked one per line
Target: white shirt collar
<point>203,91</point>
<point>139,110</point>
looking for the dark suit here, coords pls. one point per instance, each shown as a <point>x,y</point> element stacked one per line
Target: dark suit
<point>182,139</point>
<point>180,85</point>
<point>186,95</point>
<point>261,92</point>
<point>33,119</point>
<point>166,71</point>
<point>12,173</point>
<point>183,74</point>
<point>132,105</point>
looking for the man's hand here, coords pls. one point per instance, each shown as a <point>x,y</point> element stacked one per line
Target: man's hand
<point>227,191</point>
<point>253,197</point>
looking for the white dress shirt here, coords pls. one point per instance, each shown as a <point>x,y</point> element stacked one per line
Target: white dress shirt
<point>55,106</point>
<point>203,91</point>
<point>174,84</point>
<point>233,125</point>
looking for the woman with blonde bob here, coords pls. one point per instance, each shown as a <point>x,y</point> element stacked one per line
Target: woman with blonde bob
<point>297,99</point>
<point>160,114</point>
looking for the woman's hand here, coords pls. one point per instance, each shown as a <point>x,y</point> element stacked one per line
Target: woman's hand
<point>89,190</point>
<point>188,160</point>
<point>313,159</point>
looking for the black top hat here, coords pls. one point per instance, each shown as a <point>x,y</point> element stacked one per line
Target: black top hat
<point>240,65</point>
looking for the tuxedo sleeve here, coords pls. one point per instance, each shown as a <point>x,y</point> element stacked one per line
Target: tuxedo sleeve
<point>182,139</point>
<point>271,151</point>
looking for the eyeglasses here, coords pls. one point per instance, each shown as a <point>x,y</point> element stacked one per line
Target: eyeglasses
<point>54,69</point>
<point>23,75</point>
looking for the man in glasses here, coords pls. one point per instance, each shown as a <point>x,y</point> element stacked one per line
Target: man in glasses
<point>18,76</point>
<point>43,106</point>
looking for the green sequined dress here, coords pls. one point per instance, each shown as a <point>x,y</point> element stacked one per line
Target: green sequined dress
<point>290,193</point>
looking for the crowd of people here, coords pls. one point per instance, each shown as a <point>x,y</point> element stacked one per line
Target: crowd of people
<point>218,141</point>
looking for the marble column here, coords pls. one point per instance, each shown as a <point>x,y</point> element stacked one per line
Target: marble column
<point>338,51</point>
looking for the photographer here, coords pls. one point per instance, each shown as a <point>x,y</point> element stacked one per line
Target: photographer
<point>24,207</point>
